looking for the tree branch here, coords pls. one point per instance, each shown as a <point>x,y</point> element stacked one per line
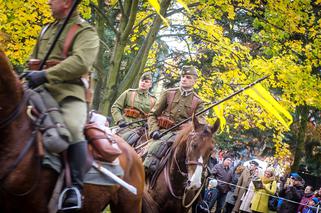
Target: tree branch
<point>104,16</point>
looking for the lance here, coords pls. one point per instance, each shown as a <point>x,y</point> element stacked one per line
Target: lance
<point>135,122</point>
<point>206,109</point>
<point>215,104</point>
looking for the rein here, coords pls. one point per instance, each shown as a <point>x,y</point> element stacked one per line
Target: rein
<point>169,184</point>
<point>5,122</point>
<point>14,114</point>
<point>14,165</point>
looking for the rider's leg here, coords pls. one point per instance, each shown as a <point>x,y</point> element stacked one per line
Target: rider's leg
<point>74,112</point>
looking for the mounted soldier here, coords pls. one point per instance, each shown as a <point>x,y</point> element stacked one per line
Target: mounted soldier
<point>64,77</point>
<point>131,106</point>
<point>173,106</point>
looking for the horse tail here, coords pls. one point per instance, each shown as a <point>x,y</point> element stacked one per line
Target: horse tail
<point>149,205</point>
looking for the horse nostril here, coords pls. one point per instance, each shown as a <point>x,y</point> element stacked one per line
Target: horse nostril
<point>189,182</point>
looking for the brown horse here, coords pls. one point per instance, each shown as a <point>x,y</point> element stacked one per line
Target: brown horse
<point>180,182</point>
<point>26,186</point>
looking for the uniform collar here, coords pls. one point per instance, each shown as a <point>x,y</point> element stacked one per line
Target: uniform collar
<point>185,92</point>
<point>75,16</point>
<point>142,92</point>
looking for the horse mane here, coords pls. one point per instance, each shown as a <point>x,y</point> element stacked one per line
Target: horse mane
<point>8,78</point>
<point>183,134</point>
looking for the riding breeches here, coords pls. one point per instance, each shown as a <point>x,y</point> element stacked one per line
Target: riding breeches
<point>157,150</point>
<point>74,112</point>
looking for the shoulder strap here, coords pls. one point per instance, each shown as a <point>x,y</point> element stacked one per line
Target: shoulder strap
<point>170,99</point>
<point>195,102</point>
<point>132,98</point>
<point>69,39</point>
<point>151,102</point>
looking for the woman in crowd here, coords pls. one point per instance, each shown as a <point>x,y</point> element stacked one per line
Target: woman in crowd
<point>262,193</point>
<point>230,199</point>
<point>308,195</point>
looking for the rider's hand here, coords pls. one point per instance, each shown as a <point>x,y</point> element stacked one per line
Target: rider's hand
<point>36,78</point>
<point>122,124</point>
<point>156,135</point>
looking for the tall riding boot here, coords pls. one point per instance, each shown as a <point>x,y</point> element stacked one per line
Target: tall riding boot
<point>80,163</point>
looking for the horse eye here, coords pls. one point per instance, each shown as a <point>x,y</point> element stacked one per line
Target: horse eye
<point>194,145</point>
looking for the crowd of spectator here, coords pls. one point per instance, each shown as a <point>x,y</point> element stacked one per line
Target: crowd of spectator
<point>235,187</point>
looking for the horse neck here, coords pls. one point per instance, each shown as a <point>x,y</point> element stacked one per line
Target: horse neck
<point>10,88</point>
<point>177,166</point>
<point>11,94</point>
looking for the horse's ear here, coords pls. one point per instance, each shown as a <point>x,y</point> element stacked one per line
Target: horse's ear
<point>216,125</point>
<point>196,124</point>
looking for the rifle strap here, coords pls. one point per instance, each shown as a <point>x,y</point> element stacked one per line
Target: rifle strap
<point>132,98</point>
<point>195,102</point>
<point>170,99</point>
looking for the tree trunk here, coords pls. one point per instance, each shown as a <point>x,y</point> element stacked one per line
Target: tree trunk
<point>126,24</point>
<point>98,84</point>
<point>303,113</point>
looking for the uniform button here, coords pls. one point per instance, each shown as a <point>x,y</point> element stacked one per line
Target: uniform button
<point>179,110</point>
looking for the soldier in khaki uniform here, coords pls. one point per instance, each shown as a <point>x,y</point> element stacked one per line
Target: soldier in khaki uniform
<point>71,59</point>
<point>173,106</point>
<point>131,106</point>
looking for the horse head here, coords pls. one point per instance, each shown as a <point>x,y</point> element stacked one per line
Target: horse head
<point>199,145</point>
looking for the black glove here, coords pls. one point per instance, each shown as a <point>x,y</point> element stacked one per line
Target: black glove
<point>36,78</point>
<point>156,135</point>
<point>122,124</point>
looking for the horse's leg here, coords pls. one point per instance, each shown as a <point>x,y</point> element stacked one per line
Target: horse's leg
<point>97,197</point>
<point>126,202</point>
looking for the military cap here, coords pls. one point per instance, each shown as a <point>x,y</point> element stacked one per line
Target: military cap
<point>189,70</point>
<point>146,76</point>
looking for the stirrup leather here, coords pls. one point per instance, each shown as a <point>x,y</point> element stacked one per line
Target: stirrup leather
<point>62,197</point>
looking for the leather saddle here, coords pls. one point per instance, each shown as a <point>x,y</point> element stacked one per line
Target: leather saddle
<point>102,145</point>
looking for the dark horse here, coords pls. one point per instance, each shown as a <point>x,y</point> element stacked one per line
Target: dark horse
<point>26,186</point>
<point>180,182</point>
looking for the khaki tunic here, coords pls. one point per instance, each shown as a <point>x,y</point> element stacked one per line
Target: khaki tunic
<point>181,108</point>
<point>81,56</point>
<point>143,101</point>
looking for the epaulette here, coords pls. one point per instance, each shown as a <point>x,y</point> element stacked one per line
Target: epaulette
<point>131,89</point>
<point>150,94</point>
<point>196,95</point>
<point>173,89</point>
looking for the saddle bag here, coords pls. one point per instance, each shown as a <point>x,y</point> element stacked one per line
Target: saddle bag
<point>165,122</point>
<point>132,113</point>
<point>103,146</point>
<point>50,121</point>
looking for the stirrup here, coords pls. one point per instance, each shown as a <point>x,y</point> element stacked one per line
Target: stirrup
<point>63,196</point>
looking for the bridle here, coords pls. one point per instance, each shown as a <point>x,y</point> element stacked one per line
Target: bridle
<point>184,174</point>
<point>14,114</point>
<point>7,171</point>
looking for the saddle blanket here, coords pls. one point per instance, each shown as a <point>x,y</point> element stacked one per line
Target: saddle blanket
<point>93,176</point>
